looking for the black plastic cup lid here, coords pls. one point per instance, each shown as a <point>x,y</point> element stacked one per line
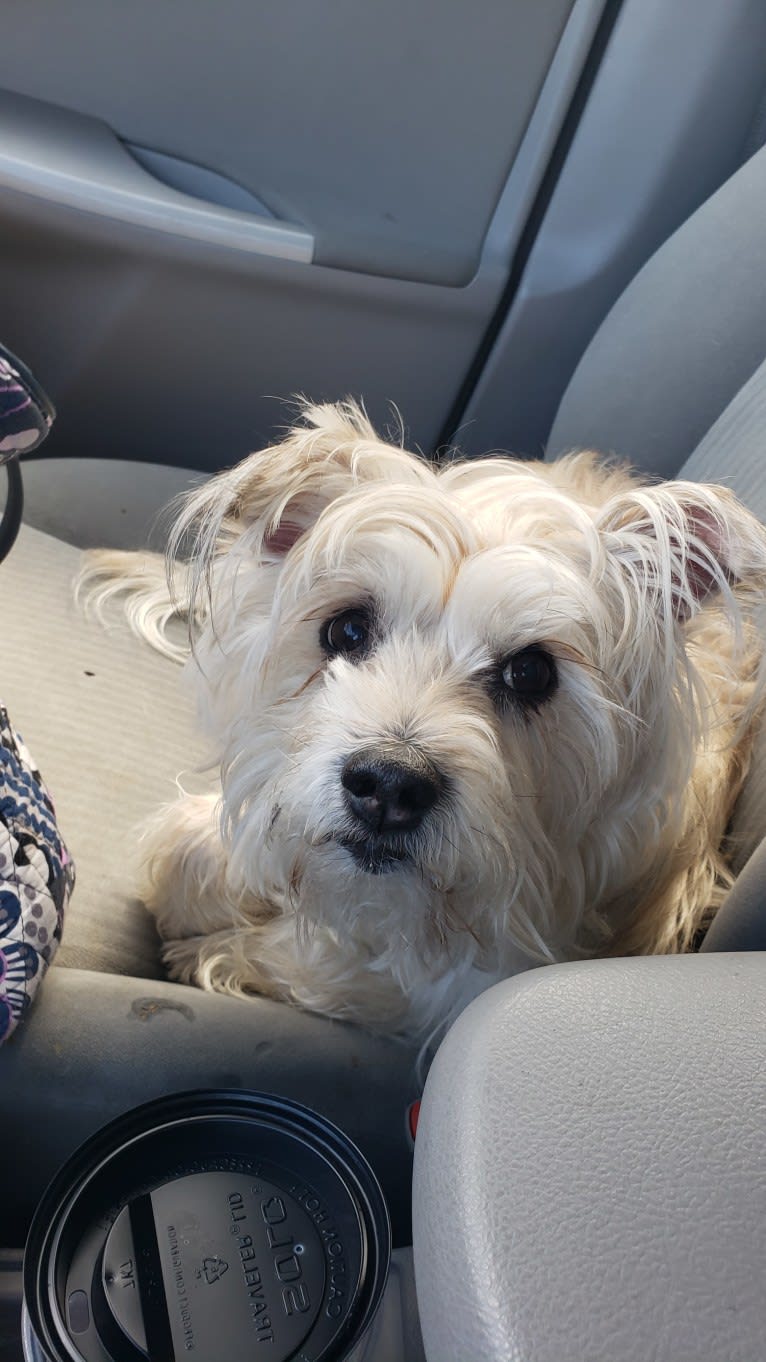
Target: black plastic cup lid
<point>214,1226</point>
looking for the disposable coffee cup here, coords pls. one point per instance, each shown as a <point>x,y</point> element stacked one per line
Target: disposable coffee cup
<point>212,1226</point>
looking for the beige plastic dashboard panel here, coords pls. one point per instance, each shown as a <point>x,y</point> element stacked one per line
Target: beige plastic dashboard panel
<point>590,1167</point>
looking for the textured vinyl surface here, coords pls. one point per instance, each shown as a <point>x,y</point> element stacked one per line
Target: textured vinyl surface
<point>590,1169</point>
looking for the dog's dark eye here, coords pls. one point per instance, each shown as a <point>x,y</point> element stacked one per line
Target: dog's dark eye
<point>530,675</point>
<point>347,634</point>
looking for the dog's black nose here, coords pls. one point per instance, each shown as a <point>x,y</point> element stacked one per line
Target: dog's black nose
<point>389,796</point>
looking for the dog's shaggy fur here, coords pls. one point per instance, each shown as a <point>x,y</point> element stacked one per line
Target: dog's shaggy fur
<point>561,652</point>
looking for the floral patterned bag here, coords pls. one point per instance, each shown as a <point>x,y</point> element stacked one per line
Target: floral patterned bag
<point>36,874</point>
<point>36,879</point>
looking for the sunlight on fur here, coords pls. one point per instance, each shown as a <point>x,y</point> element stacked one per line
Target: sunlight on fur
<point>469,719</point>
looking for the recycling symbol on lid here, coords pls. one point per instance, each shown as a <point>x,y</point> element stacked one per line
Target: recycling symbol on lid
<point>214,1268</point>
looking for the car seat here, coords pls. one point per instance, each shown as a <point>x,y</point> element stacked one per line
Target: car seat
<point>675,379</point>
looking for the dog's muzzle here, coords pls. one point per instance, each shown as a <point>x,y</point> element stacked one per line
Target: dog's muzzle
<point>386,800</point>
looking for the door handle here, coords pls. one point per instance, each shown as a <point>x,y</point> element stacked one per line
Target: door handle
<point>74,161</point>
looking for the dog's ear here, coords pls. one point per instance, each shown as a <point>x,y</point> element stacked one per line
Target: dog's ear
<point>685,541</point>
<point>277,494</point>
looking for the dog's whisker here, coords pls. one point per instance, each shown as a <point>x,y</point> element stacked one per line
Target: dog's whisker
<point>320,839</point>
<point>456,923</point>
<point>296,694</point>
<point>438,928</point>
<point>490,837</point>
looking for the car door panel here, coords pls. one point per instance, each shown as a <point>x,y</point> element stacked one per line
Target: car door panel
<point>387,129</point>
<point>234,204</point>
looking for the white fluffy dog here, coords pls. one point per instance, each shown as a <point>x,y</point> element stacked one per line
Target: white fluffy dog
<point>469,719</point>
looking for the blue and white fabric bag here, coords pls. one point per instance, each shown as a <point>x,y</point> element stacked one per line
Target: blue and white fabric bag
<point>36,873</point>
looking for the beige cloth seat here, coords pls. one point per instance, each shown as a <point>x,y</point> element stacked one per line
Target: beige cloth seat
<point>109,724</point>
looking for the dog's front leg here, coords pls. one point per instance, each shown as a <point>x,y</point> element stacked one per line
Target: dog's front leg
<point>185,885</point>
<point>214,935</point>
<point>222,938</point>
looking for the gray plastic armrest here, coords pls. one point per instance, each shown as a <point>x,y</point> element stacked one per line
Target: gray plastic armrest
<point>590,1168</point>
<point>95,1045</point>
